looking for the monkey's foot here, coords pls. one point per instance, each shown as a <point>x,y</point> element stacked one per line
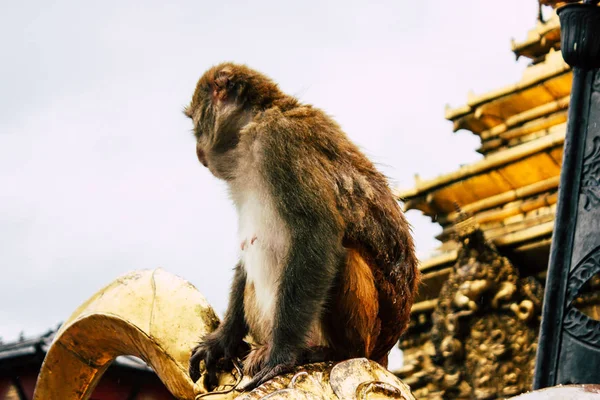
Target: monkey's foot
<point>267,373</point>
<point>218,356</point>
<point>256,360</point>
<point>316,354</point>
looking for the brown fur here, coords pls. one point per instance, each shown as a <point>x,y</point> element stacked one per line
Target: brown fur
<point>347,275</point>
<point>353,318</point>
<point>261,328</point>
<point>255,360</point>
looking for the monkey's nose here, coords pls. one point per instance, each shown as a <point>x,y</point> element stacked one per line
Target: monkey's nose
<point>201,156</point>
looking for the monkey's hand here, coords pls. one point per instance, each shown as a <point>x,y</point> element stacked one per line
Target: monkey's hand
<point>217,350</point>
<point>284,362</point>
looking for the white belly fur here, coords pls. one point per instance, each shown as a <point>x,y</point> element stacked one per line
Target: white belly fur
<point>265,245</point>
<point>264,240</point>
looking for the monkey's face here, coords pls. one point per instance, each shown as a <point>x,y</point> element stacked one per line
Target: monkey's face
<point>217,123</point>
<point>226,99</point>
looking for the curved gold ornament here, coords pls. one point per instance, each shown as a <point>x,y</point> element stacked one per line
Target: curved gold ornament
<point>159,318</point>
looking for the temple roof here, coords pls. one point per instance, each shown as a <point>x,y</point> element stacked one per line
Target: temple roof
<point>541,84</point>
<point>539,41</point>
<point>511,193</point>
<point>524,127</point>
<point>501,172</point>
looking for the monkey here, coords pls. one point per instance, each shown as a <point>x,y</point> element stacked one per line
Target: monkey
<point>328,269</point>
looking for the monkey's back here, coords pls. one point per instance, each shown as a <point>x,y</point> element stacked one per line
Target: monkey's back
<point>309,157</point>
<point>378,232</point>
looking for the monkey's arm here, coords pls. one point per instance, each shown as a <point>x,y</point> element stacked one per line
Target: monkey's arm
<point>227,340</point>
<point>302,190</point>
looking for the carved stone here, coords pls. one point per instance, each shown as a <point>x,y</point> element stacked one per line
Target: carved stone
<point>482,343</point>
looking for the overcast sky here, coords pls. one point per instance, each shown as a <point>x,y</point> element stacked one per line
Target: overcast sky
<point>98,173</point>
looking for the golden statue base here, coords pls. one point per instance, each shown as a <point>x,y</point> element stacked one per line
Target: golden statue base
<point>159,318</point>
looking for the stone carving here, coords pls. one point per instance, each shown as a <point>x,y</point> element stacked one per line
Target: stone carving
<point>590,184</point>
<point>482,342</point>
<point>158,317</point>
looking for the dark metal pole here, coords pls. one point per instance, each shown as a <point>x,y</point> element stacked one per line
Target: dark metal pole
<point>566,352</point>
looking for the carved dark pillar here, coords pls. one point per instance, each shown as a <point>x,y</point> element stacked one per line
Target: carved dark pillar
<point>569,341</point>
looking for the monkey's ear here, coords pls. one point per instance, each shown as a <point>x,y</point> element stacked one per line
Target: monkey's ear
<point>222,84</point>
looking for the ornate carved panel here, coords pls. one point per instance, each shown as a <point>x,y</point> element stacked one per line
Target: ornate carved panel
<point>590,183</point>
<point>482,343</point>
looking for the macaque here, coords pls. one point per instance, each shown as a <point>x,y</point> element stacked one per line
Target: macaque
<point>327,270</point>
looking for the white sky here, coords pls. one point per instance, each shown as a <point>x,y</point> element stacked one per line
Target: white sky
<point>98,174</point>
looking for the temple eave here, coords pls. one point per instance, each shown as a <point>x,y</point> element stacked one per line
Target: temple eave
<point>538,231</point>
<point>541,84</point>
<point>502,172</point>
<point>539,41</point>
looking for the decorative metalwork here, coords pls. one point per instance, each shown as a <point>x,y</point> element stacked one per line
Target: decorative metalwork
<point>586,269</point>
<point>582,327</point>
<point>356,379</point>
<point>596,87</point>
<point>577,323</point>
<point>565,354</point>
<point>590,184</point>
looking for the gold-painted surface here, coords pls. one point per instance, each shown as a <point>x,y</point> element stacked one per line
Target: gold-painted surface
<point>150,314</point>
<point>159,317</point>
<point>549,184</point>
<point>473,329</point>
<point>512,217</point>
<point>12,393</point>
<point>541,83</point>
<point>515,238</point>
<point>528,116</point>
<point>539,40</point>
<point>355,379</point>
<point>525,133</point>
<point>480,340</point>
<point>498,173</point>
